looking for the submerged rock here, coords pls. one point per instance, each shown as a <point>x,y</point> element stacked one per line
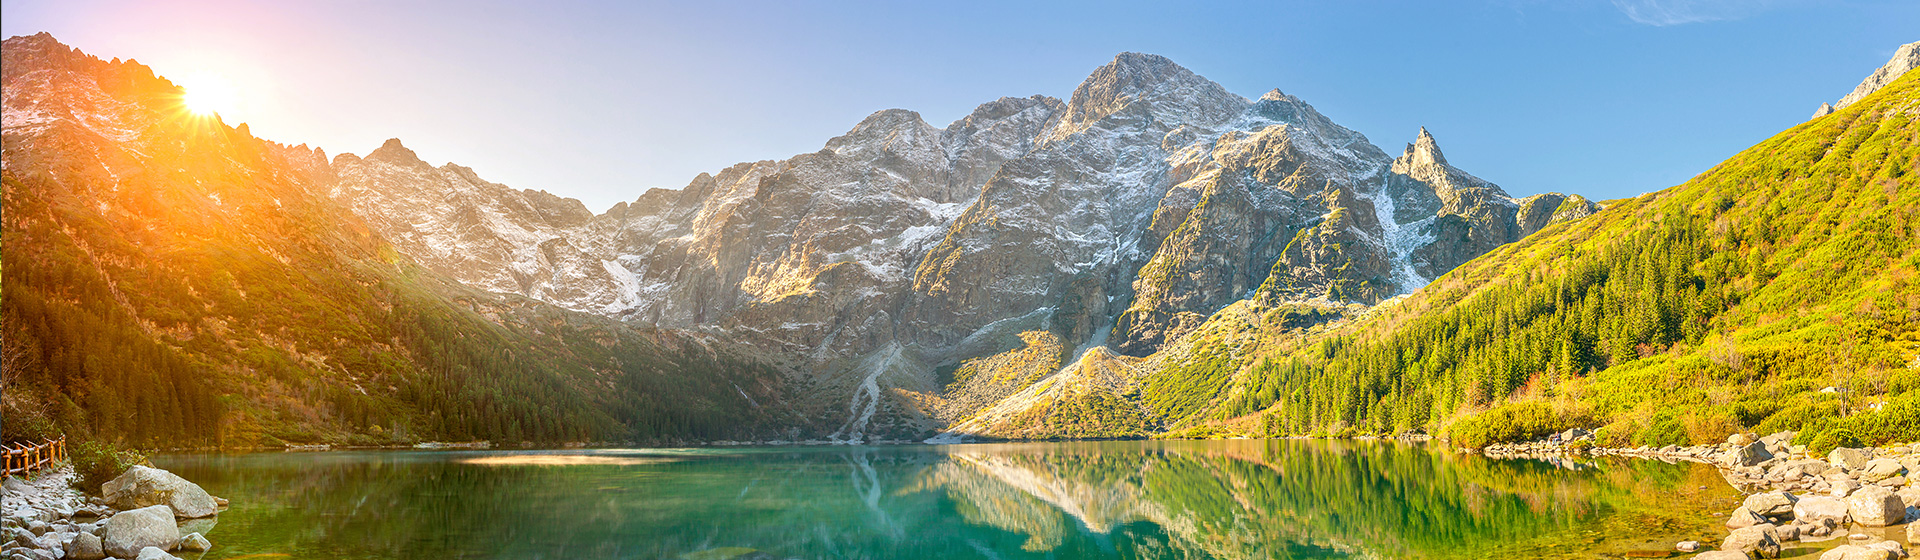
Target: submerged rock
<point>193,542</point>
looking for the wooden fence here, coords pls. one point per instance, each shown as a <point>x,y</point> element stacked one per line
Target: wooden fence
<point>22,459</point>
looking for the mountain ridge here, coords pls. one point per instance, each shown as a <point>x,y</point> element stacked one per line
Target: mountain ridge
<point>1148,200</point>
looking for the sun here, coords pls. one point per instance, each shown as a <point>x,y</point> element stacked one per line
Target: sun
<point>207,94</point>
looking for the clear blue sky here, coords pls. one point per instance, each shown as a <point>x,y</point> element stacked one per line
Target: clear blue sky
<point>599,101</point>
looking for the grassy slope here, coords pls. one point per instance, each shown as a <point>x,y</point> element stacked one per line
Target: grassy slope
<point>1721,304</point>
<point>1724,303</point>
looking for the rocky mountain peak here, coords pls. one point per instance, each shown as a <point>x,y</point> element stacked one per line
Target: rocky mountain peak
<point>1150,88</point>
<point>1905,59</point>
<point>885,127</point>
<point>392,152</point>
<point>1424,151</point>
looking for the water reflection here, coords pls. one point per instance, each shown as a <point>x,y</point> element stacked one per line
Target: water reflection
<point>1219,499</point>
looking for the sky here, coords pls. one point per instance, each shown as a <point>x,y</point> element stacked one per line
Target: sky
<point>600,101</point>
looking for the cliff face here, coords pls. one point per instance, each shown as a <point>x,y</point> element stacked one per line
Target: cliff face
<point>900,252</point>
<point>1123,216</point>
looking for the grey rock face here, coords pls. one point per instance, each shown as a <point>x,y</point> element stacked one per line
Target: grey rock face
<point>144,486</point>
<point>1905,59</point>
<point>130,531</point>
<point>1149,200</point>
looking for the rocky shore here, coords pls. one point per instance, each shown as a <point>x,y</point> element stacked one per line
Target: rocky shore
<point>1866,496</point>
<point>144,514</point>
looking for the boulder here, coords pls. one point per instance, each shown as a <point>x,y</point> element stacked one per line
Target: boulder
<point>1722,555</point>
<point>1913,533</point>
<point>1771,504</point>
<point>1882,469</point>
<point>1747,455</point>
<point>1687,546</point>
<point>1787,532</point>
<point>154,553</point>
<point>142,486</point>
<point>1850,457</point>
<point>1874,506</point>
<point>129,531</point>
<point>1758,541</point>
<point>1743,518</point>
<point>1814,509</point>
<point>193,542</point>
<point>86,547</point>
<point>1841,487</point>
<point>1856,552</point>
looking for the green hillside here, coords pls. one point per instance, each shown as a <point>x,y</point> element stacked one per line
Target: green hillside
<point>1733,301</point>
<point>189,287</point>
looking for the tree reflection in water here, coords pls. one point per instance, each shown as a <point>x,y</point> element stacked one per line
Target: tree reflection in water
<point>1204,499</point>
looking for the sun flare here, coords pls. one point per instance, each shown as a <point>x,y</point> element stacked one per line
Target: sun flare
<point>207,94</point>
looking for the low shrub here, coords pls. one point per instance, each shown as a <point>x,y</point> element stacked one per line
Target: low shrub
<point>1798,418</point>
<point>95,463</point>
<point>1898,420</point>
<point>1829,440</point>
<point>1509,423</point>
<point>1663,431</point>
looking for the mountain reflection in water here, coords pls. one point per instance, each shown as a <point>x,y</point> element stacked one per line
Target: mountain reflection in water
<point>1199,499</point>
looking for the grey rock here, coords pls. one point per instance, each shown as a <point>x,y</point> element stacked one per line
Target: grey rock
<point>193,542</point>
<point>1747,455</point>
<point>1881,469</point>
<point>1687,546</point>
<point>1743,517</point>
<point>1874,506</point>
<point>1850,458</point>
<point>142,486</point>
<point>1857,552</point>
<point>1814,509</point>
<point>154,553</point>
<point>38,527</point>
<point>129,531</point>
<point>1758,541</point>
<point>1722,555</point>
<point>86,546</point>
<point>1771,504</point>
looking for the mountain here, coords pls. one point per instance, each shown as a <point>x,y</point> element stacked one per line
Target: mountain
<point>173,281</point>
<point>1779,290</point>
<point>911,276</point>
<point>1906,58</point>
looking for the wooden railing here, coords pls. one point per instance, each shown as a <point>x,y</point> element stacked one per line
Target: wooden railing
<point>22,459</point>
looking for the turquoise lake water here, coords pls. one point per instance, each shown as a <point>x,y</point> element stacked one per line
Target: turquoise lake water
<point>1133,499</point>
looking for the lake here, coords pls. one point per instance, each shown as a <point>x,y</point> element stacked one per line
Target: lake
<point>1127,499</point>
